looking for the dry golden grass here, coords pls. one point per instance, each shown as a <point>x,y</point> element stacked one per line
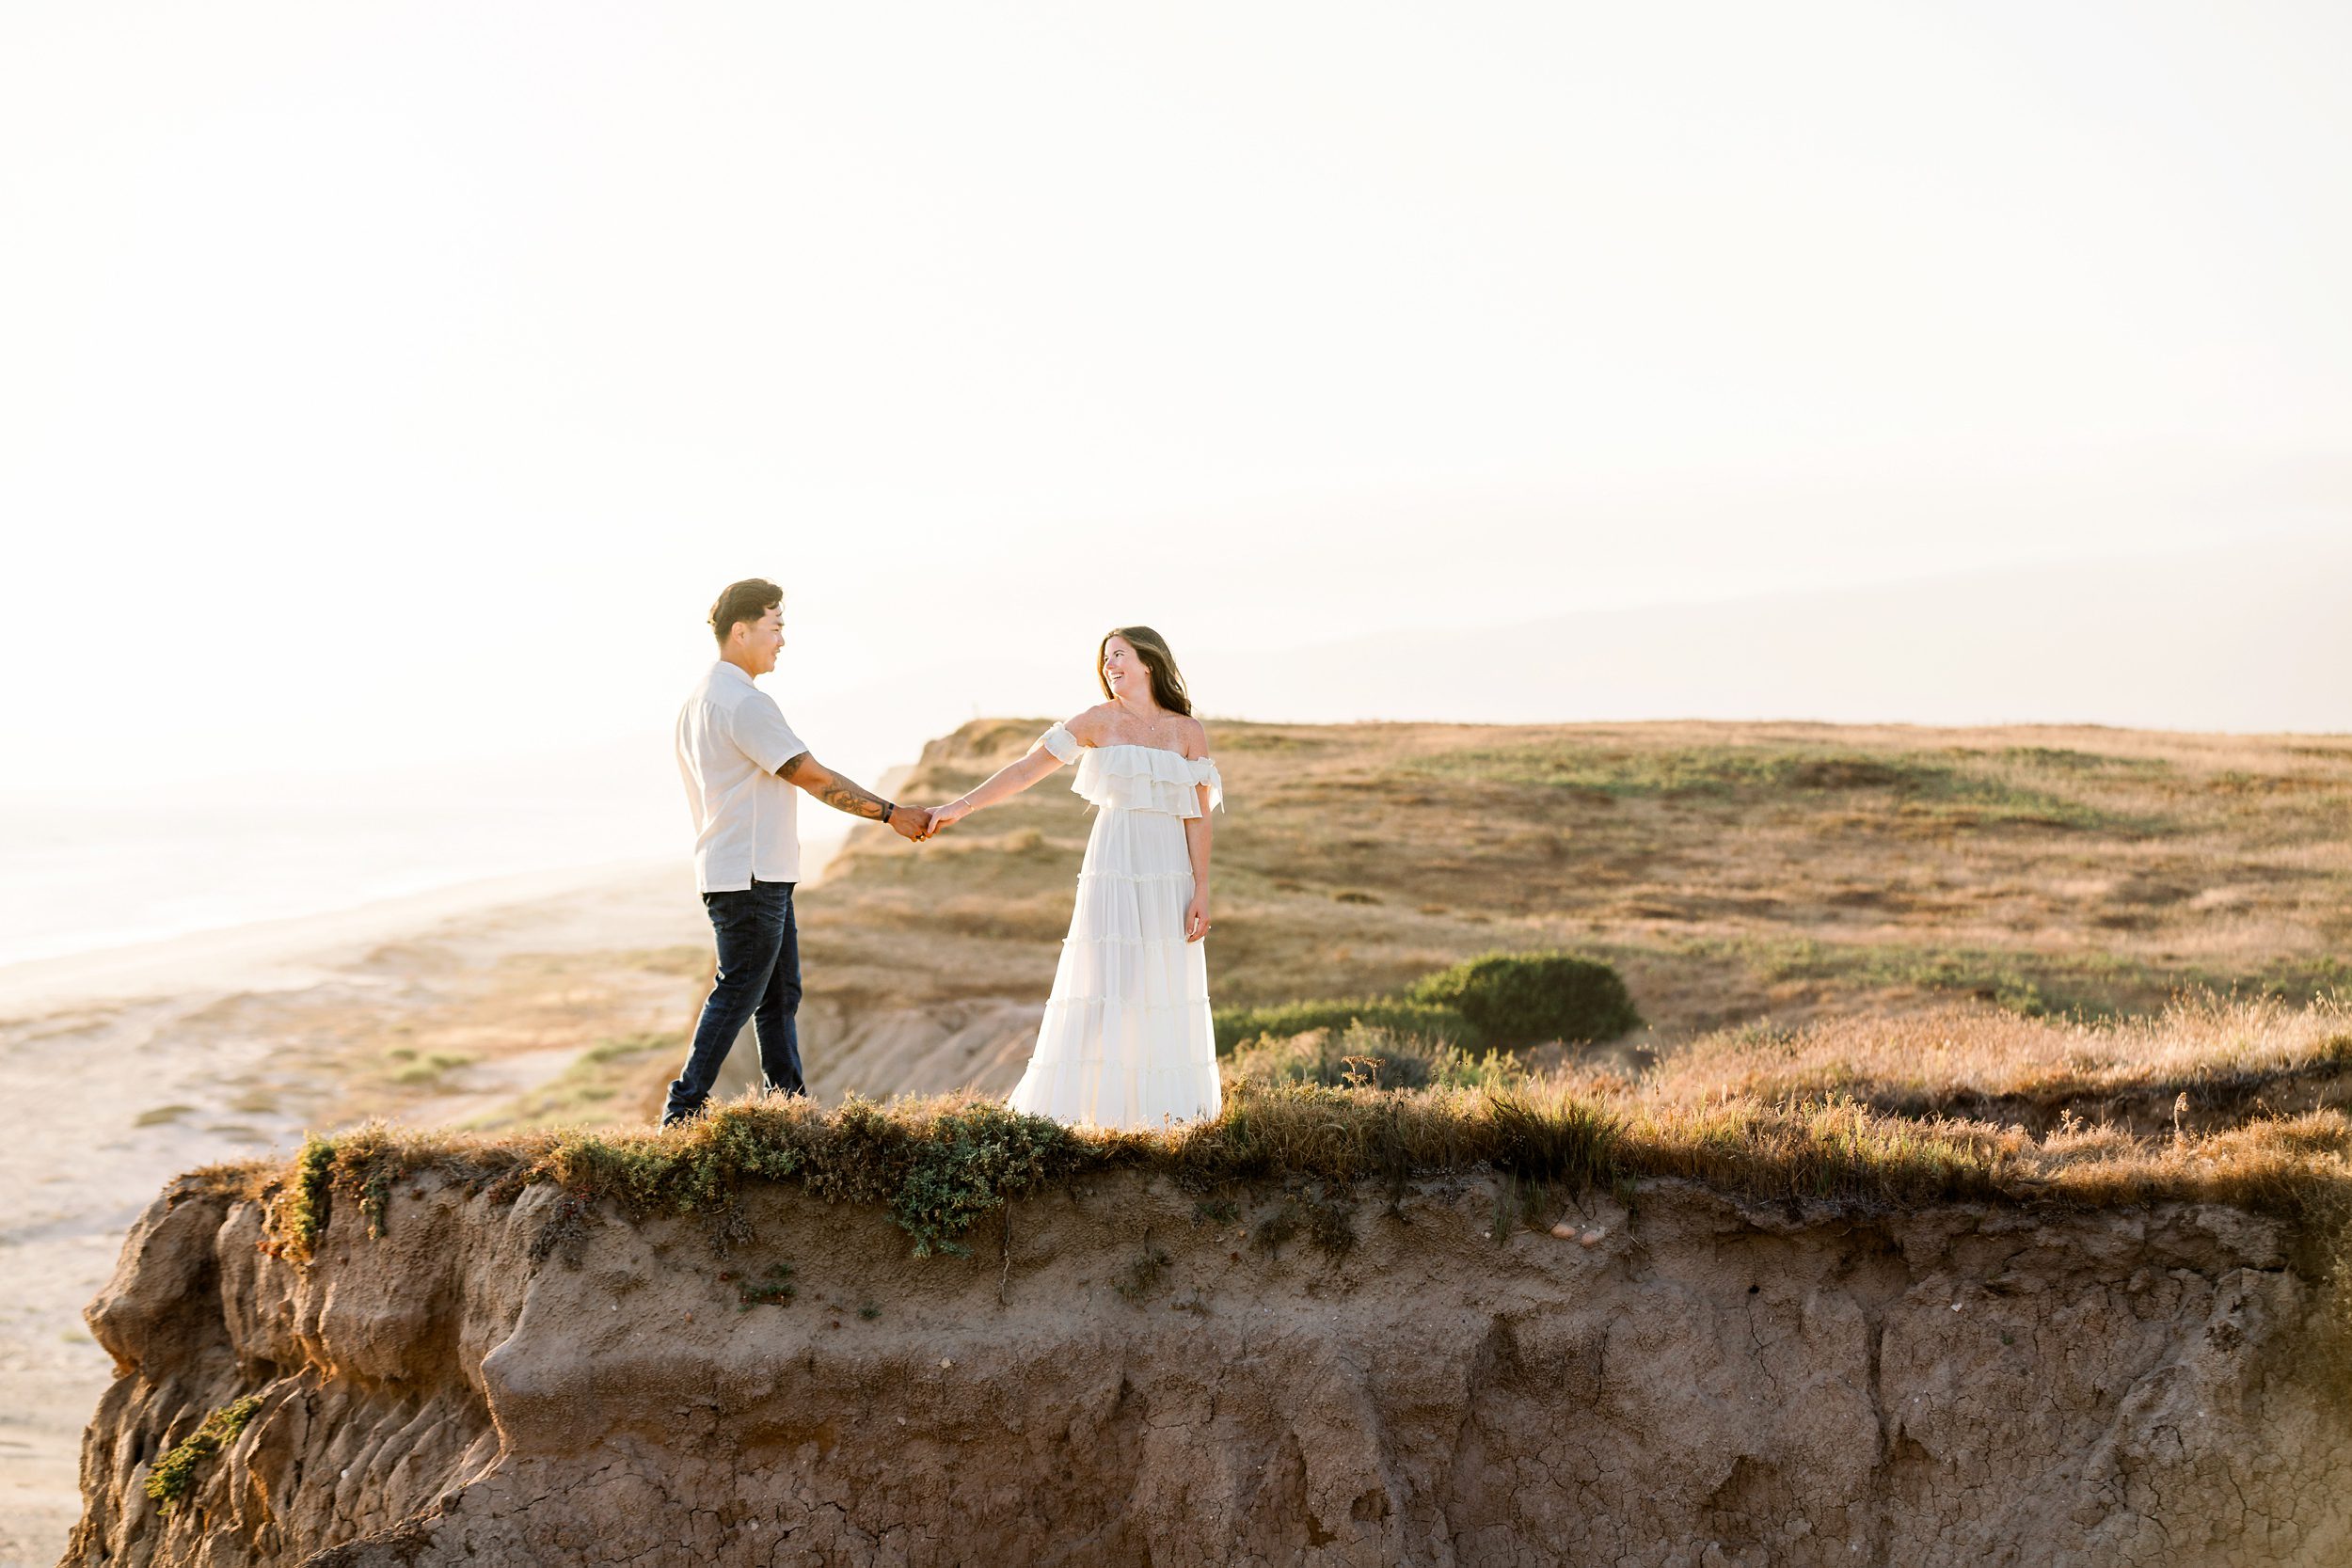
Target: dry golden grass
<point>2220,1099</point>
<point>2201,1063</point>
<point>1731,872</point>
<point>1763,1132</point>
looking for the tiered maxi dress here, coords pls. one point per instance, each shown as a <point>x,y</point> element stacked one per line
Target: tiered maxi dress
<point>1127,1040</point>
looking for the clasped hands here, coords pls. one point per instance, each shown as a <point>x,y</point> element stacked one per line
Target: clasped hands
<point>917,823</point>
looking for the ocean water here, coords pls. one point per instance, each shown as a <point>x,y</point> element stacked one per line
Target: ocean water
<point>127,864</point>
<point>79,875</point>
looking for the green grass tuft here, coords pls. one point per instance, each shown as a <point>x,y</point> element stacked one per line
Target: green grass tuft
<point>175,1474</point>
<point>775,1289</point>
<point>302,1218</point>
<point>1368,1056</point>
<point>1426,1020</point>
<point>1143,1275</point>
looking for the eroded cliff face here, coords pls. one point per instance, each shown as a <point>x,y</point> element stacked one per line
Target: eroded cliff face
<point>1122,1376</point>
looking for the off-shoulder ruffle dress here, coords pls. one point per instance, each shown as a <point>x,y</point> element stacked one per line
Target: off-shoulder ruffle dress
<point>1127,1040</point>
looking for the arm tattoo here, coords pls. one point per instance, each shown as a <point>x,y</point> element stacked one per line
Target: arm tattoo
<point>845,795</point>
<point>838,792</point>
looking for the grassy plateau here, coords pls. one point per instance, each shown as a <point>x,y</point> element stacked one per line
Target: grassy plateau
<point>1859,966</point>
<point>1729,872</point>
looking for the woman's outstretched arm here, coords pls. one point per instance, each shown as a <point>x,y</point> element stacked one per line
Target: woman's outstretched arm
<point>1003,784</point>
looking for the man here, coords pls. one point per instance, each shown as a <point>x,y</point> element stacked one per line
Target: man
<point>741,763</point>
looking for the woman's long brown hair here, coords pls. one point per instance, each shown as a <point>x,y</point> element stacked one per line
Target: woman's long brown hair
<point>1168,684</point>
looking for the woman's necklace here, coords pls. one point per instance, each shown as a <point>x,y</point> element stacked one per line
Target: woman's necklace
<point>1153,745</point>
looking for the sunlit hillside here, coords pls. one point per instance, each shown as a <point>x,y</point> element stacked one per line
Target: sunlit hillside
<point>1732,872</point>
<point>1759,878</point>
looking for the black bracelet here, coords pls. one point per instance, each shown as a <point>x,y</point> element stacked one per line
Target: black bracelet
<point>888,809</point>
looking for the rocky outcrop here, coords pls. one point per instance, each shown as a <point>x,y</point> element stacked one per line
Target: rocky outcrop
<point>1124,1375</point>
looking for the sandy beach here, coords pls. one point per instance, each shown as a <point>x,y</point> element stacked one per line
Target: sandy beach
<point>122,1069</point>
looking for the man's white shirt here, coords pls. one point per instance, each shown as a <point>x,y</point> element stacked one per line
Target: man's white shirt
<point>731,739</point>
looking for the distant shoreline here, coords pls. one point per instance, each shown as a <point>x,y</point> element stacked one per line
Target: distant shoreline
<point>269,955</point>
<point>74,946</point>
<point>290,950</point>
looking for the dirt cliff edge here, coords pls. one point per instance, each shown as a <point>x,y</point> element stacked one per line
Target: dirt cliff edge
<point>1123,1374</point>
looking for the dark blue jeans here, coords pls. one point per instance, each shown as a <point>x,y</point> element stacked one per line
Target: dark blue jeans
<point>759,979</point>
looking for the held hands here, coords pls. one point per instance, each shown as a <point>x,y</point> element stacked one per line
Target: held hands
<point>912,823</point>
<point>943,817</point>
<point>1197,917</point>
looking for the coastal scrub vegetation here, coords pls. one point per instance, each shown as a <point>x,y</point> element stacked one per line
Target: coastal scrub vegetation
<point>2222,1099</point>
<point>1526,998</point>
<point>1282,1021</point>
<point>1501,1000</point>
<point>1366,1056</point>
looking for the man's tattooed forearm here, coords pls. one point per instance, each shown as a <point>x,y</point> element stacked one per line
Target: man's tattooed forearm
<point>835,791</point>
<point>841,794</point>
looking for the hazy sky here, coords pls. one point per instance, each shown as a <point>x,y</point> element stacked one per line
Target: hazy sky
<point>401,381</point>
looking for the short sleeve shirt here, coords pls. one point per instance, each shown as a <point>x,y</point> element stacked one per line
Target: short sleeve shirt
<point>731,739</point>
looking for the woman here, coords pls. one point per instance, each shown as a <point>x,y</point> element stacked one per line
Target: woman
<point>1126,1040</point>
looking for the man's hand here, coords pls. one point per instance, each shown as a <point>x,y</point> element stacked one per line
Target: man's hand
<point>945,816</point>
<point>912,823</point>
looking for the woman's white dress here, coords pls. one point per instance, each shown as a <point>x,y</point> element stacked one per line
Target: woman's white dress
<point>1127,1040</point>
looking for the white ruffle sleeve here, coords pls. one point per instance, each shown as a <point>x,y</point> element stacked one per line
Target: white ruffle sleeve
<point>1205,771</point>
<point>1064,745</point>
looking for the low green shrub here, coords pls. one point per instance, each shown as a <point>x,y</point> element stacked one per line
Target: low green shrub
<point>1429,1021</point>
<point>174,1475</point>
<point>1370,1056</point>
<point>1519,999</point>
<point>974,1159</point>
<point>306,1210</point>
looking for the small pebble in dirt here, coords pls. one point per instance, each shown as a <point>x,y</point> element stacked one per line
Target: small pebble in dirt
<point>1564,1230</point>
<point>1593,1236</point>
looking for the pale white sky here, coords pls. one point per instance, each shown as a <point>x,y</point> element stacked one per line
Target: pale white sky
<point>399,382</point>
